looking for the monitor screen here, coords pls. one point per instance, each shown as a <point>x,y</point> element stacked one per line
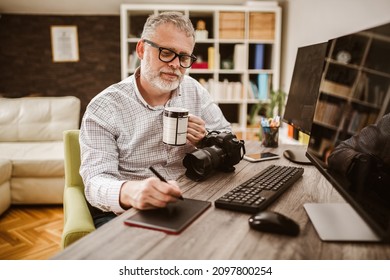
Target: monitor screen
<point>304,87</point>
<point>303,93</point>
<point>350,133</point>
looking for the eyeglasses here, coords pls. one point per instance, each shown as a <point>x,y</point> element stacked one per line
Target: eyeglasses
<point>167,55</point>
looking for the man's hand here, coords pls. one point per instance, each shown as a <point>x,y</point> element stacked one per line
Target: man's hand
<point>196,129</point>
<point>149,193</point>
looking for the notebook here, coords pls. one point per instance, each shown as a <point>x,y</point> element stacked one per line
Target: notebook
<point>173,219</point>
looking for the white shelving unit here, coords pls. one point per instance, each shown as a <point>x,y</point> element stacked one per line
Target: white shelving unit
<point>260,25</point>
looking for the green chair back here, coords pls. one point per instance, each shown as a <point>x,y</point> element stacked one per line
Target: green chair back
<point>77,218</point>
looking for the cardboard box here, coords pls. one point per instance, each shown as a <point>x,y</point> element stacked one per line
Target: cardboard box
<point>231,25</point>
<point>262,26</point>
<point>236,16</point>
<point>231,34</point>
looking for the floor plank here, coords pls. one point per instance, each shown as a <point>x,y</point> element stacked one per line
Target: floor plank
<point>30,232</point>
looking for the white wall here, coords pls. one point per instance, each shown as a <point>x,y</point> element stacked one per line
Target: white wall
<point>307,22</point>
<point>304,21</point>
<point>91,7</point>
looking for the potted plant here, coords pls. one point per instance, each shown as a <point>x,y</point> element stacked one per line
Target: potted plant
<point>276,105</point>
<point>269,109</point>
<point>256,110</point>
<point>272,107</point>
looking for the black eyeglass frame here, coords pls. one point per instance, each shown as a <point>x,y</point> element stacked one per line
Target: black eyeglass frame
<point>192,57</point>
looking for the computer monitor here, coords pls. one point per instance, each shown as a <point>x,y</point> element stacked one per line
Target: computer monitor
<point>354,93</point>
<point>302,97</point>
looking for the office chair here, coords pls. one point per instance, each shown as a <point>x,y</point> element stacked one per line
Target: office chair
<point>77,218</point>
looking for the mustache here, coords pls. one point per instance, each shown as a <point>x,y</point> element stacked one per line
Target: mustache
<point>171,71</point>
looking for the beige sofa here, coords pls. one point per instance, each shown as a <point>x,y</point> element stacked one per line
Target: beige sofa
<point>31,148</point>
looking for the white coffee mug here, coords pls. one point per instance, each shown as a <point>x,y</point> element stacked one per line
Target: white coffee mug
<point>175,122</point>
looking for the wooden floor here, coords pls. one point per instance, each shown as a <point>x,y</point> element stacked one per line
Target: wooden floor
<point>30,233</point>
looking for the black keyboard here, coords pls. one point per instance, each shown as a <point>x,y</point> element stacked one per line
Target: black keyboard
<point>261,190</point>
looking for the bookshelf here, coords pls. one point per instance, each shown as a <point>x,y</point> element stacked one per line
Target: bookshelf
<point>355,87</point>
<point>238,50</point>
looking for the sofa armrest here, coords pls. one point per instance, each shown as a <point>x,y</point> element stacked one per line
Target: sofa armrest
<point>77,219</point>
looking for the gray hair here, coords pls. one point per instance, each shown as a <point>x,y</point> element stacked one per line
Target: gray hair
<point>181,21</point>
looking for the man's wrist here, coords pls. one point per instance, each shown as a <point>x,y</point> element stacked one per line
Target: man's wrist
<point>124,197</point>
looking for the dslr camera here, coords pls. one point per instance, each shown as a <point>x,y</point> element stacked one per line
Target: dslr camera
<point>218,150</point>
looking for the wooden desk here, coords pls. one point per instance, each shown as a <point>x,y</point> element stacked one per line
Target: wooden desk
<point>222,234</point>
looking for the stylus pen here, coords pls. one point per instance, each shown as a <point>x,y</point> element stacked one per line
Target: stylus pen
<point>161,178</point>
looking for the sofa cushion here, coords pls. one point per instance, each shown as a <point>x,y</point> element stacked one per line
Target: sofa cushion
<point>37,190</point>
<point>5,196</point>
<point>37,118</point>
<point>5,189</point>
<point>5,169</point>
<point>34,159</point>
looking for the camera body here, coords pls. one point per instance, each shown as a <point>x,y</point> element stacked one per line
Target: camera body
<point>218,150</point>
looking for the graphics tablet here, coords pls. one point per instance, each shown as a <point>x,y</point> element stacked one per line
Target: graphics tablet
<point>172,219</point>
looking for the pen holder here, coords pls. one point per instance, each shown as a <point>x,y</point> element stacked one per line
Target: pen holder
<point>269,136</point>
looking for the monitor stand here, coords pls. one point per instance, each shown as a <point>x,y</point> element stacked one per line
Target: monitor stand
<point>297,156</point>
<point>339,222</point>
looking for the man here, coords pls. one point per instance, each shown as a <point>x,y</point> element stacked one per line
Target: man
<point>373,140</point>
<point>121,132</point>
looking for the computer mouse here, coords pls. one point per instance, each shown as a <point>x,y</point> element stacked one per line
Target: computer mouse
<point>273,222</point>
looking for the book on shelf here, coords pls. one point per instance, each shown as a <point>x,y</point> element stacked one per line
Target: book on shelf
<point>226,90</point>
<point>378,95</point>
<point>295,134</point>
<point>229,90</point>
<point>259,56</point>
<point>200,65</point>
<point>263,84</point>
<point>223,90</point>
<point>335,88</point>
<point>368,92</point>
<point>237,91</point>
<point>290,130</point>
<point>253,90</point>
<point>259,90</point>
<point>239,57</point>
<point>303,138</point>
<point>208,85</point>
<point>359,120</point>
<point>372,118</point>
<point>211,57</point>
<point>361,91</point>
<point>328,113</point>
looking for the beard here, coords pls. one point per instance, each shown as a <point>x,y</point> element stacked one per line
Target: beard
<point>154,76</point>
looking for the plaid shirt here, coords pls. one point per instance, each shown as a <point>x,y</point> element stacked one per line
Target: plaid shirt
<point>121,136</point>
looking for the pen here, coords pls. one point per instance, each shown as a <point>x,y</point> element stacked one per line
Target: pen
<point>161,178</point>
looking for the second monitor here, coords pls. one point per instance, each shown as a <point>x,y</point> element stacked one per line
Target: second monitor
<point>304,89</point>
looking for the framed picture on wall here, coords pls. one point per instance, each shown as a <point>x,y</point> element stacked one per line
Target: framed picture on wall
<point>64,42</point>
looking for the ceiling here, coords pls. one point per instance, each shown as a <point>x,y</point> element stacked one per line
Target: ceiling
<point>93,7</point>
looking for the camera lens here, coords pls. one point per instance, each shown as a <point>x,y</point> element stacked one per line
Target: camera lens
<point>200,163</point>
<point>218,150</point>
